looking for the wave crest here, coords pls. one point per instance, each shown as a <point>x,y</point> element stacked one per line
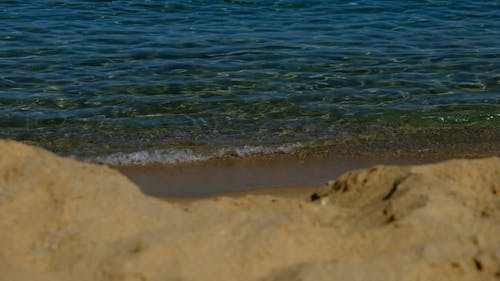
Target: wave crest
<point>186,155</point>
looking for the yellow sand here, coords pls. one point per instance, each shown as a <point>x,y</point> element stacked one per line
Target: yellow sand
<point>65,220</point>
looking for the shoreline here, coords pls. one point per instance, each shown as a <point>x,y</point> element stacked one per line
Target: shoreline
<point>438,143</point>
<point>231,177</point>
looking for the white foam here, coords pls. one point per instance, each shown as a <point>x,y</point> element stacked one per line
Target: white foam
<point>154,156</point>
<point>249,150</point>
<point>174,156</point>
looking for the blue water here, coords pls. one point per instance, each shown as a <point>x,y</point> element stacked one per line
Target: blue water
<point>153,80</point>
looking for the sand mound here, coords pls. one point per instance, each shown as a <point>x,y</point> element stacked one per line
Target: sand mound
<point>65,220</point>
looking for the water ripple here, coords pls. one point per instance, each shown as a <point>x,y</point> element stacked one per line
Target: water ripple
<point>236,72</point>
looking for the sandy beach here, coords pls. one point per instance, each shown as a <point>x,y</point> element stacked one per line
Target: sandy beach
<point>211,178</point>
<point>276,140</point>
<point>266,173</point>
<point>61,219</point>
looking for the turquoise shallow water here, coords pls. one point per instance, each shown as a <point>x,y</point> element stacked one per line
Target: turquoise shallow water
<point>153,80</point>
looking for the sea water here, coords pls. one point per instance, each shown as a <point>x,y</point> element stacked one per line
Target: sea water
<point>169,81</point>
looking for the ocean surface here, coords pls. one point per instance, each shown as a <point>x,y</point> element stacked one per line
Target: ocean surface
<point>168,81</point>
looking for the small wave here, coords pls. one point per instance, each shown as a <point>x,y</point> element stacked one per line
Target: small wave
<point>154,156</point>
<point>186,155</point>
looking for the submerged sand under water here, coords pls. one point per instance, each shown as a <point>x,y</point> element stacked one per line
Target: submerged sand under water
<point>66,220</point>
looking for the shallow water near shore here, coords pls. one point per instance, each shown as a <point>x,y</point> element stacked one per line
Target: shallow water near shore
<point>124,82</point>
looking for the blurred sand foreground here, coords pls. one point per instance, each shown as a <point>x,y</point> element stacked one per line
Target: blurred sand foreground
<point>65,220</point>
